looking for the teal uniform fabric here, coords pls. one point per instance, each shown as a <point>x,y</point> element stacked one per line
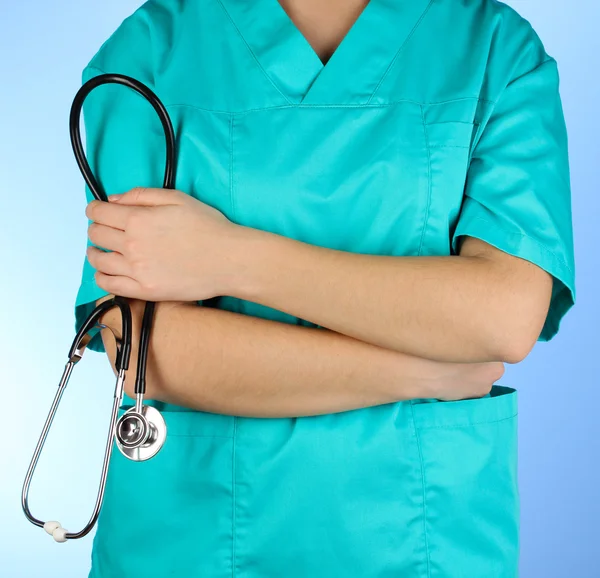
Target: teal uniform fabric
<point>433,119</point>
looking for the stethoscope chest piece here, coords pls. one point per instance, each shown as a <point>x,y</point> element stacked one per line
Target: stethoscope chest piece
<point>139,435</point>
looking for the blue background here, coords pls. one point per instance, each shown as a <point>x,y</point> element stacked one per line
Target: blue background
<point>43,48</point>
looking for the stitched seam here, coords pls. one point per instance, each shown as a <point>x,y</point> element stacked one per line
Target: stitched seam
<point>436,122</point>
<point>199,108</point>
<point>449,146</point>
<point>541,245</point>
<point>231,175</point>
<point>468,424</point>
<point>400,49</point>
<point>267,76</point>
<point>424,502</point>
<point>340,105</point>
<point>426,218</point>
<point>549,59</point>
<point>233,503</point>
<point>478,98</point>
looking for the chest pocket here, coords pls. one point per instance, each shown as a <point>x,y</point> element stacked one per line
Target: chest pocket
<point>450,133</point>
<point>352,178</point>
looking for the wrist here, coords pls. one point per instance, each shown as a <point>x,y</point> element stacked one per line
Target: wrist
<point>417,377</point>
<point>248,256</point>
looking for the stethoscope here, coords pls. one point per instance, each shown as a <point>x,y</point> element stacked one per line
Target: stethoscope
<point>139,432</point>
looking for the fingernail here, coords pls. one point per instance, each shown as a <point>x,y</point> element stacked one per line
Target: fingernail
<point>114,197</point>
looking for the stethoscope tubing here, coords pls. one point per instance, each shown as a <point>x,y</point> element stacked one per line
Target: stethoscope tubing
<point>99,194</point>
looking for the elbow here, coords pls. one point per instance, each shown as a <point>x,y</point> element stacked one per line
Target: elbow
<point>516,351</point>
<point>520,320</point>
<point>514,341</point>
<point>520,298</point>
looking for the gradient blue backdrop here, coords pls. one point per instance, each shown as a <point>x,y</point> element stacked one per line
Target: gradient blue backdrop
<point>44,46</point>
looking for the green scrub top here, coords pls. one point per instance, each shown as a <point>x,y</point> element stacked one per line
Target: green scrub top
<point>432,120</point>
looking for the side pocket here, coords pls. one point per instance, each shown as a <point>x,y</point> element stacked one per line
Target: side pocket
<point>333,495</point>
<point>469,465</point>
<point>170,515</point>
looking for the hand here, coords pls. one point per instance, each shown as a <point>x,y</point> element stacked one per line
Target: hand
<point>455,381</point>
<point>164,246</point>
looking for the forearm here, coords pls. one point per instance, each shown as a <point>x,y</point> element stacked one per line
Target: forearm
<point>447,308</point>
<point>224,362</point>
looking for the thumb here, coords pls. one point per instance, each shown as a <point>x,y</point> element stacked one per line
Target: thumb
<point>148,197</point>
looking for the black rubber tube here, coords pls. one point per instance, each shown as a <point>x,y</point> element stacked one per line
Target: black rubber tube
<point>100,195</point>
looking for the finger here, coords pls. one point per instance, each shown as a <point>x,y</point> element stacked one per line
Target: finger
<point>119,285</point>
<point>106,237</point>
<point>112,263</point>
<point>109,214</point>
<point>149,197</point>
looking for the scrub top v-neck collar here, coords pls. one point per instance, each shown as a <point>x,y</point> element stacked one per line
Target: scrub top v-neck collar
<point>352,73</point>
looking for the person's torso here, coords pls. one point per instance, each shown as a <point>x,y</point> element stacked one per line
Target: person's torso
<point>368,154</point>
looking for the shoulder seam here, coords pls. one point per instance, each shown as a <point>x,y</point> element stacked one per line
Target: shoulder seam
<point>549,59</point>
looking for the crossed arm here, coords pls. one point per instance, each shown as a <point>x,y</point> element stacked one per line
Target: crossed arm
<point>397,328</point>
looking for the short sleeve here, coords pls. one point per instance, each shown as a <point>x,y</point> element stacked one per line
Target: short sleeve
<point>125,147</point>
<point>517,194</point>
